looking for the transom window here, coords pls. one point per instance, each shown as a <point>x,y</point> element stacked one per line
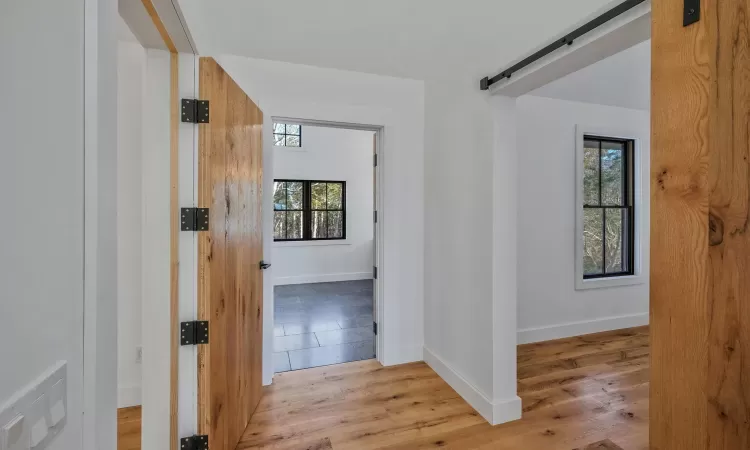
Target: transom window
<point>608,213</point>
<point>306,210</point>
<point>286,135</point>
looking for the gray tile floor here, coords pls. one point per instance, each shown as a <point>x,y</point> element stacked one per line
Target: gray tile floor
<point>321,324</point>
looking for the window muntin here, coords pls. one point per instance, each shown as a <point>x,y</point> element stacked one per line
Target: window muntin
<point>287,135</point>
<point>307,210</point>
<point>608,212</point>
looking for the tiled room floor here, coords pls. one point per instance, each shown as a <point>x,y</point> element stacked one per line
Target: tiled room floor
<point>323,323</point>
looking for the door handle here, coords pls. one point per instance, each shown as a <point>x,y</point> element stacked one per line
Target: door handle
<point>264,265</point>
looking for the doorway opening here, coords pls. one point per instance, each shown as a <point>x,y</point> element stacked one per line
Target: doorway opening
<point>325,243</point>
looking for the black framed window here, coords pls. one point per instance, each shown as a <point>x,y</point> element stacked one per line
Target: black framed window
<point>608,212</point>
<point>309,210</point>
<point>286,135</point>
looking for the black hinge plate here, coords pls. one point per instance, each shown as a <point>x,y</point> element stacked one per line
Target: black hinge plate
<point>375,216</point>
<point>691,13</point>
<point>375,160</point>
<point>194,333</point>
<point>194,443</point>
<point>194,219</point>
<point>375,328</point>
<point>195,111</point>
<point>375,272</point>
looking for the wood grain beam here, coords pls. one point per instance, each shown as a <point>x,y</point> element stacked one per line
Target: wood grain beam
<point>700,211</point>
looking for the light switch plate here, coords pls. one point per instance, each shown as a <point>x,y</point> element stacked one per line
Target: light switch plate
<point>57,408</point>
<point>35,404</point>
<point>36,415</point>
<point>13,435</point>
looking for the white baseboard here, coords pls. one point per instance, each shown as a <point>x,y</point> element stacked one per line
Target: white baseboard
<point>529,335</point>
<point>128,396</point>
<point>324,278</point>
<point>493,412</point>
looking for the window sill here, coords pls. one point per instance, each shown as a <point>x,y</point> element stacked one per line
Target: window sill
<point>311,243</point>
<point>599,283</point>
<point>290,149</point>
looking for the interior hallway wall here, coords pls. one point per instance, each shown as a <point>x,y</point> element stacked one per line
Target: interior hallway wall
<point>41,171</point>
<point>333,154</point>
<point>131,65</point>
<point>458,234</point>
<point>549,306</point>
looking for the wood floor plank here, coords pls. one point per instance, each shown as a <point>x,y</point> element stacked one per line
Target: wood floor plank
<point>601,445</point>
<point>577,393</point>
<point>129,428</point>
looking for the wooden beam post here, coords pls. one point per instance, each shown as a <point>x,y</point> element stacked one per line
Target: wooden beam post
<point>700,241</point>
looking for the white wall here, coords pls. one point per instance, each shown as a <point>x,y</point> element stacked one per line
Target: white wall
<point>333,154</point>
<point>41,170</point>
<point>49,278</point>
<point>155,251</point>
<point>549,307</point>
<point>131,65</point>
<point>468,312</point>
<point>291,90</point>
<point>458,235</point>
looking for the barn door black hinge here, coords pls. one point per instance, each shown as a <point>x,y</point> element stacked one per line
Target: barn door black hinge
<point>194,333</point>
<point>194,443</point>
<point>691,12</point>
<point>375,272</point>
<point>375,160</point>
<point>194,111</point>
<point>375,216</point>
<point>375,328</point>
<point>194,219</point>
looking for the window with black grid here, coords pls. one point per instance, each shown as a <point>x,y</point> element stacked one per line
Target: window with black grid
<point>307,210</point>
<point>287,135</point>
<point>608,213</point>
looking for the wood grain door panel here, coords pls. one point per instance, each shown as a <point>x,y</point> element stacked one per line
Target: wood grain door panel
<point>700,220</point>
<point>230,282</point>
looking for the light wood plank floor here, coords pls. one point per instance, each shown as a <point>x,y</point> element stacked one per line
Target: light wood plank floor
<point>129,428</point>
<point>585,392</point>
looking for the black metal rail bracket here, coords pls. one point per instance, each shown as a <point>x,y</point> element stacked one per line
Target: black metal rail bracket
<point>692,12</point>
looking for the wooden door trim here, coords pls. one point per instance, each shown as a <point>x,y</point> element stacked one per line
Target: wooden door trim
<point>159,24</point>
<point>202,291</point>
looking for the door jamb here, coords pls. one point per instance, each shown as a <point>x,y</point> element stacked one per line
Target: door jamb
<point>379,206</point>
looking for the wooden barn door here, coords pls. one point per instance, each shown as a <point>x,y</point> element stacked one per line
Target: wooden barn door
<point>700,225</point>
<point>230,281</point>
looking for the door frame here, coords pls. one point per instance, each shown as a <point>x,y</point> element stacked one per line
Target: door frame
<point>379,236</point>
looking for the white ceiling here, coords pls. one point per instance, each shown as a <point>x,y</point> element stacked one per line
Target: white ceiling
<point>622,80</point>
<point>420,39</point>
